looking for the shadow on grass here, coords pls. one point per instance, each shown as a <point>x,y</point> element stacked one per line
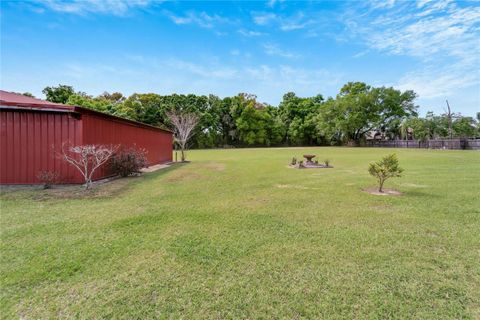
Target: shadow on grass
<point>418,193</point>
<point>102,190</point>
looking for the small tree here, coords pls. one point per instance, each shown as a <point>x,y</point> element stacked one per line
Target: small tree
<point>87,158</point>
<point>183,124</point>
<point>385,169</point>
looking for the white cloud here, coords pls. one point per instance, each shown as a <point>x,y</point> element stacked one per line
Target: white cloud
<point>434,81</point>
<point>273,50</point>
<point>382,3</point>
<point>250,33</point>
<point>263,19</point>
<point>201,19</point>
<point>287,25</point>
<point>82,7</point>
<point>272,3</point>
<point>442,35</point>
<point>284,23</point>
<point>421,3</point>
<point>149,74</point>
<point>360,54</point>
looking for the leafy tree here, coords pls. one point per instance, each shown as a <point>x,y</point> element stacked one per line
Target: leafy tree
<point>252,125</point>
<point>26,94</point>
<point>478,123</point>
<point>464,127</point>
<point>223,121</point>
<point>437,126</point>
<point>419,127</point>
<point>297,114</point>
<point>148,108</point>
<point>394,107</point>
<point>276,129</point>
<point>114,97</point>
<point>83,100</point>
<point>242,120</point>
<point>385,169</point>
<point>59,94</point>
<point>360,108</point>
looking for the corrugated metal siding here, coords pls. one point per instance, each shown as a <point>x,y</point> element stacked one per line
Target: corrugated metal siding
<point>29,142</point>
<point>99,130</point>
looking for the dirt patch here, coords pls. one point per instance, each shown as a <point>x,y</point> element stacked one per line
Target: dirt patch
<point>289,186</point>
<point>386,192</point>
<point>181,176</point>
<point>256,202</point>
<point>216,166</point>
<point>104,189</point>
<point>310,166</point>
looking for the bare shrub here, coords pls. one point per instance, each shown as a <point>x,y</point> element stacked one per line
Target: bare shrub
<point>129,161</point>
<point>87,158</point>
<point>48,178</point>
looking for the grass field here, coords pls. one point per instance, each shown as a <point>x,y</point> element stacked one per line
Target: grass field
<point>237,234</point>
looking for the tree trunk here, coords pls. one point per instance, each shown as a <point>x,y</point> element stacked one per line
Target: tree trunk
<point>380,187</point>
<point>182,154</point>
<point>88,184</point>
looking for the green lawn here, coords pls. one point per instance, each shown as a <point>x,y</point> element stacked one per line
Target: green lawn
<point>237,234</point>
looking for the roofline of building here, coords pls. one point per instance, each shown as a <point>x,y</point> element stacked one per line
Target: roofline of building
<point>83,110</point>
<point>72,109</point>
<point>6,106</point>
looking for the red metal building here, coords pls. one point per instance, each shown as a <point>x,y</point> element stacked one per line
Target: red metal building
<point>33,131</point>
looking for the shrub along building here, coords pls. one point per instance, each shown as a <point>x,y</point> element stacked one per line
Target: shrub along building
<point>33,132</point>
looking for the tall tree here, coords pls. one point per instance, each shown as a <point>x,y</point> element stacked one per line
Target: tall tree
<point>183,124</point>
<point>59,94</point>
<point>360,108</point>
<point>252,125</point>
<point>297,113</point>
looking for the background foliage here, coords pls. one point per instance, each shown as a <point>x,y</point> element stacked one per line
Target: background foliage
<point>358,109</point>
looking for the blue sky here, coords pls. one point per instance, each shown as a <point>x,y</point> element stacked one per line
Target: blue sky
<point>265,48</point>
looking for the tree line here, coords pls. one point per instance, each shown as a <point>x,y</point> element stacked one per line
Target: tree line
<point>357,111</point>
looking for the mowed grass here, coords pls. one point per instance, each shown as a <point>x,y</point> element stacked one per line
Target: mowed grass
<point>238,234</point>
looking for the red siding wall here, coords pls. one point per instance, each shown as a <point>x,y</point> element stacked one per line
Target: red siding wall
<point>29,142</point>
<point>100,130</point>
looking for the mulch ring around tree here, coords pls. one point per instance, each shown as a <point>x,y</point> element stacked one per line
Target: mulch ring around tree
<point>386,192</point>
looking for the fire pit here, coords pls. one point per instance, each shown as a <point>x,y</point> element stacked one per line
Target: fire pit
<point>309,163</point>
<point>309,157</point>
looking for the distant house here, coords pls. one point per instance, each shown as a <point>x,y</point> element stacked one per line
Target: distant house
<point>374,135</point>
<point>33,131</point>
